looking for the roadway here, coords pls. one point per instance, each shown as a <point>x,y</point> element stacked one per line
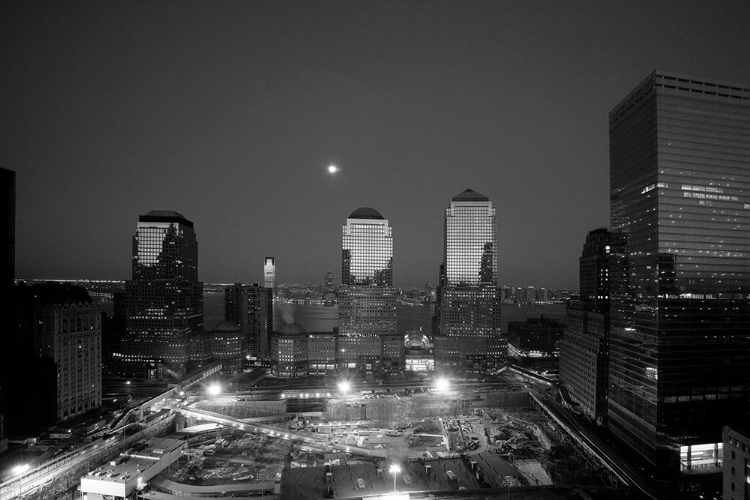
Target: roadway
<point>241,424</point>
<point>626,473</point>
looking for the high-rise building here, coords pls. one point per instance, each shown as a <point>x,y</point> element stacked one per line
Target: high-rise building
<point>164,300</point>
<point>584,349</point>
<point>367,297</point>
<point>69,335</point>
<point>468,298</point>
<point>329,290</point>
<point>679,269</point>
<point>57,356</point>
<point>8,244</point>
<point>269,273</point>
<point>250,307</point>
<point>8,258</point>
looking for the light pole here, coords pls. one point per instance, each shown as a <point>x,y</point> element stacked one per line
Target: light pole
<point>395,469</point>
<point>344,387</point>
<point>19,470</point>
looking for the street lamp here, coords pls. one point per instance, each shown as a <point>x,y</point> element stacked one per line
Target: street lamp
<point>395,469</point>
<point>442,384</point>
<point>19,470</point>
<point>214,390</point>
<point>344,386</point>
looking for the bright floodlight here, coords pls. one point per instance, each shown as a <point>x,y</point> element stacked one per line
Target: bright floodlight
<point>20,469</point>
<point>214,389</point>
<point>344,386</point>
<point>442,384</point>
<point>332,169</point>
<point>395,469</point>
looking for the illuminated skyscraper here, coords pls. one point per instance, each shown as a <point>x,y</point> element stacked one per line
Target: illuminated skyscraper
<point>269,273</point>
<point>164,300</point>
<point>679,269</point>
<point>468,308</point>
<point>367,297</point>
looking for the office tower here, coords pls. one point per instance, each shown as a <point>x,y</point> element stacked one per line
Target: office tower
<point>269,273</point>
<point>250,307</point>
<point>468,300</point>
<point>235,306</point>
<point>8,249</point>
<point>329,290</point>
<point>8,244</point>
<point>584,349</point>
<point>367,298</point>
<point>56,356</point>
<point>164,300</point>
<point>679,261</point>
<point>68,333</point>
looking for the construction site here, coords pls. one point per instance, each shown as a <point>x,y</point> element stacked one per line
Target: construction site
<point>362,445</point>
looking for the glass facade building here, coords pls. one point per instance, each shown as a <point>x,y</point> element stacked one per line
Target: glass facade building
<point>164,300</point>
<point>468,307</point>
<point>679,269</point>
<point>367,297</point>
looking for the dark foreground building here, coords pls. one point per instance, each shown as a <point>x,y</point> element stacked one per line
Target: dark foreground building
<point>680,270</point>
<point>584,349</point>
<point>250,307</point>
<point>57,358</point>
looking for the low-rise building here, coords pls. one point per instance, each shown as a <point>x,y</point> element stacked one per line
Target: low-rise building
<point>132,470</point>
<point>289,351</point>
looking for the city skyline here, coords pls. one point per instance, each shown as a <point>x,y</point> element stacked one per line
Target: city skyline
<point>231,114</point>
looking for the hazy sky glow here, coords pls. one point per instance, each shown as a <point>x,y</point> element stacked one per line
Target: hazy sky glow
<point>231,113</point>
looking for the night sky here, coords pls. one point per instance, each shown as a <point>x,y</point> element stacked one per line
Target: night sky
<point>230,112</point>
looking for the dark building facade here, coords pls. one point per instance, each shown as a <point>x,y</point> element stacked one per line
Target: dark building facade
<point>679,269</point>
<point>467,313</point>
<point>251,308</point>
<point>69,335</point>
<point>56,347</point>
<point>584,349</point>
<point>164,300</point>
<point>8,258</point>
<point>736,466</point>
<point>534,338</point>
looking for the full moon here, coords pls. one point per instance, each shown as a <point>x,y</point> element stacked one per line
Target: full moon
<point>332,169</point>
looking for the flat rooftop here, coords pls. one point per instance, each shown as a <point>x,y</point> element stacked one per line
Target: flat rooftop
<point>133,461</point>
